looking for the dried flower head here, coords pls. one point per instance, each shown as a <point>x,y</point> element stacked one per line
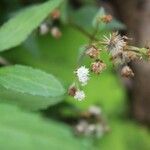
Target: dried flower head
<point>118,59</point>
<point>106,18</point>
<point>130,55</point>
<point>44,29</point>
<point>98,66</point>
<point>72,90</point>
<point>56,33</point>
<point>55,14</point>
<point>92,51</point>
<point>127,72</point>
<point>79,95</point>
<point>83,75</point>
<point>115,43</point>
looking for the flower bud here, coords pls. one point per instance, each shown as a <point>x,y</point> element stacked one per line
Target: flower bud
<point>56,33</point>
<point>92,52</point>
<point>127,72</point>
<point>55,14</point>
<point>98,66</point>
<point>72,90</point>
<point>106,18</point>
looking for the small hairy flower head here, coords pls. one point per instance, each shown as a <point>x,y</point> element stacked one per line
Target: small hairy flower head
<point>98,66</point>
<point>92,52</point>
<point>55,14</point>
<point>130,55</point>
<point>127,72</point>
<point>115,43</point>
<point>79,95</point>
<point>83,75</point>
<point>72,90</point>
<point>106,18</point>
<point>56,33</point>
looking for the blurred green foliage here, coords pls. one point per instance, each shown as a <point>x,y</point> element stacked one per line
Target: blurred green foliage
<point>22,130</point>
<point>26,83</point>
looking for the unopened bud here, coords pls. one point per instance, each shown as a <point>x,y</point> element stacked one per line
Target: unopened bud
<point>72,90</point>
<point>92,52</point>
<point>56,32</point>
<point>55,14</point>
<point>98,66</point>
<point>127,72</point>
<point>106,18</point>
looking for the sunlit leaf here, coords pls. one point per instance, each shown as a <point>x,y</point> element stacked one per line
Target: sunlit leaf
<point>29,87</point>
<point>26,131</point>
<point>17,29</point>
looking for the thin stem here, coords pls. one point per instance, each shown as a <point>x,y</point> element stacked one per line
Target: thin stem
<point>87,34</point>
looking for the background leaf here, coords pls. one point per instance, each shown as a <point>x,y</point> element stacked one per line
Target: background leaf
<point>101,25</point>
<point>17,29</point>
<point>29,87</point>
<point>125,135</point>
<point>83,17</point>
<point>26,131</point>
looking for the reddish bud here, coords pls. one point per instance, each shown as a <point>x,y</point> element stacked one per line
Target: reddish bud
<point>72,90</point>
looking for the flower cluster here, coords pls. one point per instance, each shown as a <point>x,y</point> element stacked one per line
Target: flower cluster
<point>48,27</point>
<point>92,123</point>
<point>121,53</point>
<point>82,73</point>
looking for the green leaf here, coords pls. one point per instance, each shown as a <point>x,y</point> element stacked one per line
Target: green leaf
<point>84,17</point>
<point>29,87</point>
<point>64,10</point>
<point>26,131</point>
<point>17,29</point>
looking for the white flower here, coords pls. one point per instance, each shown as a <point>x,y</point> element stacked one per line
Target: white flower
<point>79,95</point>
<point>44,29</point>
<point>83,75</point>
<point>115,43</point>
